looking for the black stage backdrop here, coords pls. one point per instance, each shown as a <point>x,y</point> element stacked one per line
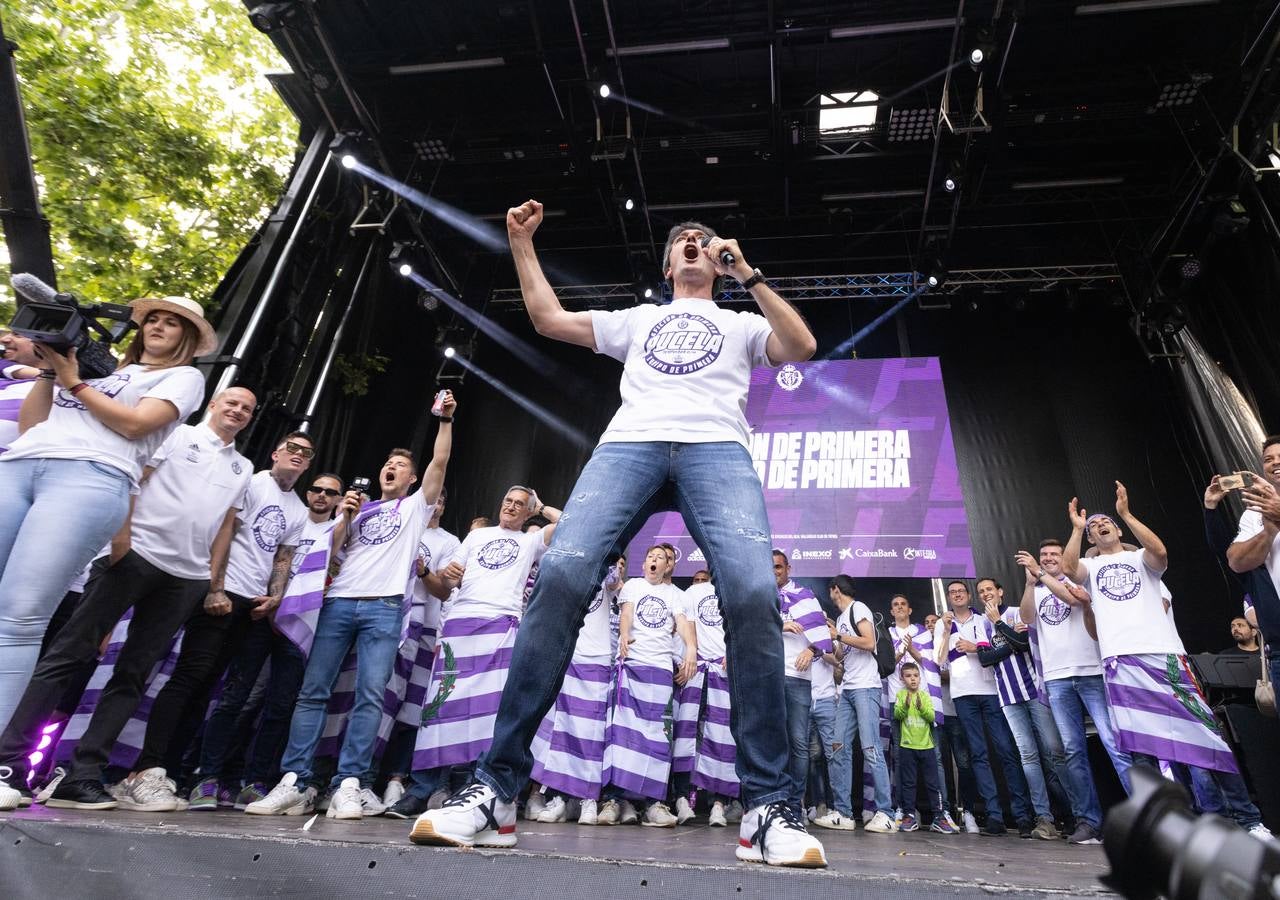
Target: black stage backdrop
<point>1045,403</point>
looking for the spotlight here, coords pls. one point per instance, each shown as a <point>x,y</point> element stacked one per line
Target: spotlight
<point>1230,217</point>
<point>605,91</point>
<point>629,204</point>
<point>428,301</point>
<point>399,258</point>
<point>955,177</point>
<point>449,352</point>
<point>648,292</point>
<point>933,280</point>
<point>348,161</point>
<point>405,269</point>
<point>984,48</point>
<point>269,17</point>
<point>345,146</point>
<point>936,275</point>
<point>1190,268</point>
<point>976,56</point>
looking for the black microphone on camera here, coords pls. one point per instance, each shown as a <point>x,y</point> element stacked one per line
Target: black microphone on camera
<point>727,259</point>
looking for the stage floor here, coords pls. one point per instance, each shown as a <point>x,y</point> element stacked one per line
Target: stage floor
<point>69,854</point>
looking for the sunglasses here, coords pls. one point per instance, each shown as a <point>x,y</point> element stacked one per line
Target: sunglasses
<point>328,492</point>
<point>301,449</point>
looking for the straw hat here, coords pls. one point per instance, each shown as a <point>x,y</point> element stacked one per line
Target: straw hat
<point>179,306</point>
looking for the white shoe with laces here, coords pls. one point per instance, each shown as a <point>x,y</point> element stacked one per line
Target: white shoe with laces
<point>589,813</point>
<point>473,817</point>
<point>346,802</point>
<point>10,797</point>
<point>684,810</point>
<point>1262,832</point>
<point>716,817</point>
<point>554,810</point>
<point>285,799</point>
<point>881,823</point>
<point>610,812</point>
<point>534,806</point>
<point>970,823</point>
<point>149,791</point>
<point>835,821</point>
<point>392,793</point>
<point>658,816</point>
<point>774,834</point>
<point>370,803</point>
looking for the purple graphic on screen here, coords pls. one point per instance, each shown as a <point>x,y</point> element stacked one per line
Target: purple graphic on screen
<point>859,472</point>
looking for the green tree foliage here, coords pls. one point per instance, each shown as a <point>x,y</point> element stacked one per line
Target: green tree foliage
<point>159,147</point>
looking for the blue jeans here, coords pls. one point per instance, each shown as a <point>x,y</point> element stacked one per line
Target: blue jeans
<point>715,489</point>
<point>372,624</point>
<point>822,734</point>
<point>1070,698</point>
<point>858,712</point>
<point>57,514</point>
<point>799,699</point>
<point>1039,744</point>
<point>954,744</point>
<point>285,679</point>
<point>980,714</point>
<point>1227,794</point>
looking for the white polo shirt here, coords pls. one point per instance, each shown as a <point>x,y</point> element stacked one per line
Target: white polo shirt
<point>270,518</point>
<point>968,676</point>
<point>197,478</point>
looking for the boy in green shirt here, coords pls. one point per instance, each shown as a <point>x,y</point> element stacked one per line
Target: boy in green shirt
<point>913,710</point>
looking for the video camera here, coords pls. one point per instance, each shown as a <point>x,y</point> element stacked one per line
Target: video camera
<point>63,322</point>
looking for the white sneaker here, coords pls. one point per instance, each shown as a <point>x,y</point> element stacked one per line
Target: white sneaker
<point>716,817</point>
<point>392,793</point>
<point>47,791</point>
<point>589,814</point>
<point>346,802</point>
<point>881,823</point>
<point>1262,832</point>
<point>610,812</point>
<point>437,799</point>
<point>534,806</point>
<point>734,812</point>
<point>10,797</point>
<point>628,814</point>
<point>285,799</point>
<point>370,803</point>
<point>149,791</point>
<point>775,835</point>
<point>970,823</point>
<point>553,810</point>
<point>684,811</point>
<point>835,821</point>
<point>658,816</point>
<point>867,816</point>
<point>472,817</point>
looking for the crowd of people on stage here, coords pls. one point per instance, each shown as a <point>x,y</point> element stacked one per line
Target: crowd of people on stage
<point>180,632</point>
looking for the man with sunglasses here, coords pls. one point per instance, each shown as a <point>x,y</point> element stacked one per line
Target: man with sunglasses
<point>246,584</point>
<point>262,642</point>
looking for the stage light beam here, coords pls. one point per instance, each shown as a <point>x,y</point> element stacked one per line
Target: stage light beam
<point>605,91</point>
<point>449,353</point>
<point>629,204</point>
<point>548,418</point>
<point>406,270</point>
<point>349,161</point>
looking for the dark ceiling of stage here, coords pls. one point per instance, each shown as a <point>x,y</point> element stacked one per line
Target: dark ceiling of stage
<point>1096,121</point>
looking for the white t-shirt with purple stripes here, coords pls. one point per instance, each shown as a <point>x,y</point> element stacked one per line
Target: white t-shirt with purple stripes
<point>1015,674</point>
<point>798,604</point>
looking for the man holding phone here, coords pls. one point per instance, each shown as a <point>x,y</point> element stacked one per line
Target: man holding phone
<point>1257,542</point>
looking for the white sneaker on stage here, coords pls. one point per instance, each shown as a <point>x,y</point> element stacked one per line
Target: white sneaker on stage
<point>473,817</point>
<point>534,806</point>
<point>716,817</point>
<point>346,803</point>
<point>149,791</point>
<point>610,812</point>
<point>10,797</point>
<point>881,823</point>
<point>658,816</point>
<point>370,803</point>
<point>970,823</point>
<point>285,799</point>
<point>392,793</point>
<point>589,813</point>
<point>835,821</point>
<point>684,811</point>
<point>774,834</point>
<point>554,810</point>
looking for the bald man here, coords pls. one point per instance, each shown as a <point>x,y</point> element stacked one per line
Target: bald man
<point>159,564</point>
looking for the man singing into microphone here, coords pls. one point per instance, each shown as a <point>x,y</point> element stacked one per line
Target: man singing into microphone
<point>677,442</point>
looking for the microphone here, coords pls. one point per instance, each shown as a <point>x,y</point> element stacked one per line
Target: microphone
<point>33,288</point>
<point>727,259</point>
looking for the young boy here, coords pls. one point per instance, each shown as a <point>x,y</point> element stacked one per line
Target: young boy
<point>913,711</point>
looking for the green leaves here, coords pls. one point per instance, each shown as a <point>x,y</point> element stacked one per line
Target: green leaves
<point>159,147</point>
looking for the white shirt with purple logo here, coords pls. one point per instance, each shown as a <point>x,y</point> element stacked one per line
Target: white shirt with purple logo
<point>311,532</point>
<point>595,641</point>
<point>1066,649</point>
<point>72,432</point>
<point>686,369</point>
<point>381,544</point>
<point>269,518</point>
<point>703,604</point>
<point>1128,606</point>
<point>653,618</point>
<point>860,669</point>
<point>497,561</point>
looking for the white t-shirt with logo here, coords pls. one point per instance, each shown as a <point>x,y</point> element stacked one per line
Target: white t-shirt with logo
<point>653,618</point>
<point>595,641</point>
<point>1066,649</point>
<point>860,670</point>
<point>197,478</point>
<point>311,532</point>
<point>969,678</point>
<point>1128,606</point>
<point>681,604</point>
<point>270,518</point>
<point>686,369</point>
<point>72,432</point>
<point>703,605</point>
<point>497,562</point>
<point>822,684</point>
<point>381,544</point>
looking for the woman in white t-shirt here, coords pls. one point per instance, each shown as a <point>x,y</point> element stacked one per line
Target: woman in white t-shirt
<point>67,478</point>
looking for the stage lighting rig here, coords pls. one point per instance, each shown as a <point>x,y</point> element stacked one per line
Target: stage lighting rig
<point>399,258</point>
<point>269,17</point>
<point>954,177</point>
<point>604,90</point>
<point>982,50</point>
<point>346,147</point>
<point>1230,216</point>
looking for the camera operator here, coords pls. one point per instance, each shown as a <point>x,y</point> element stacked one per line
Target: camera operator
<point>67,479</point>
